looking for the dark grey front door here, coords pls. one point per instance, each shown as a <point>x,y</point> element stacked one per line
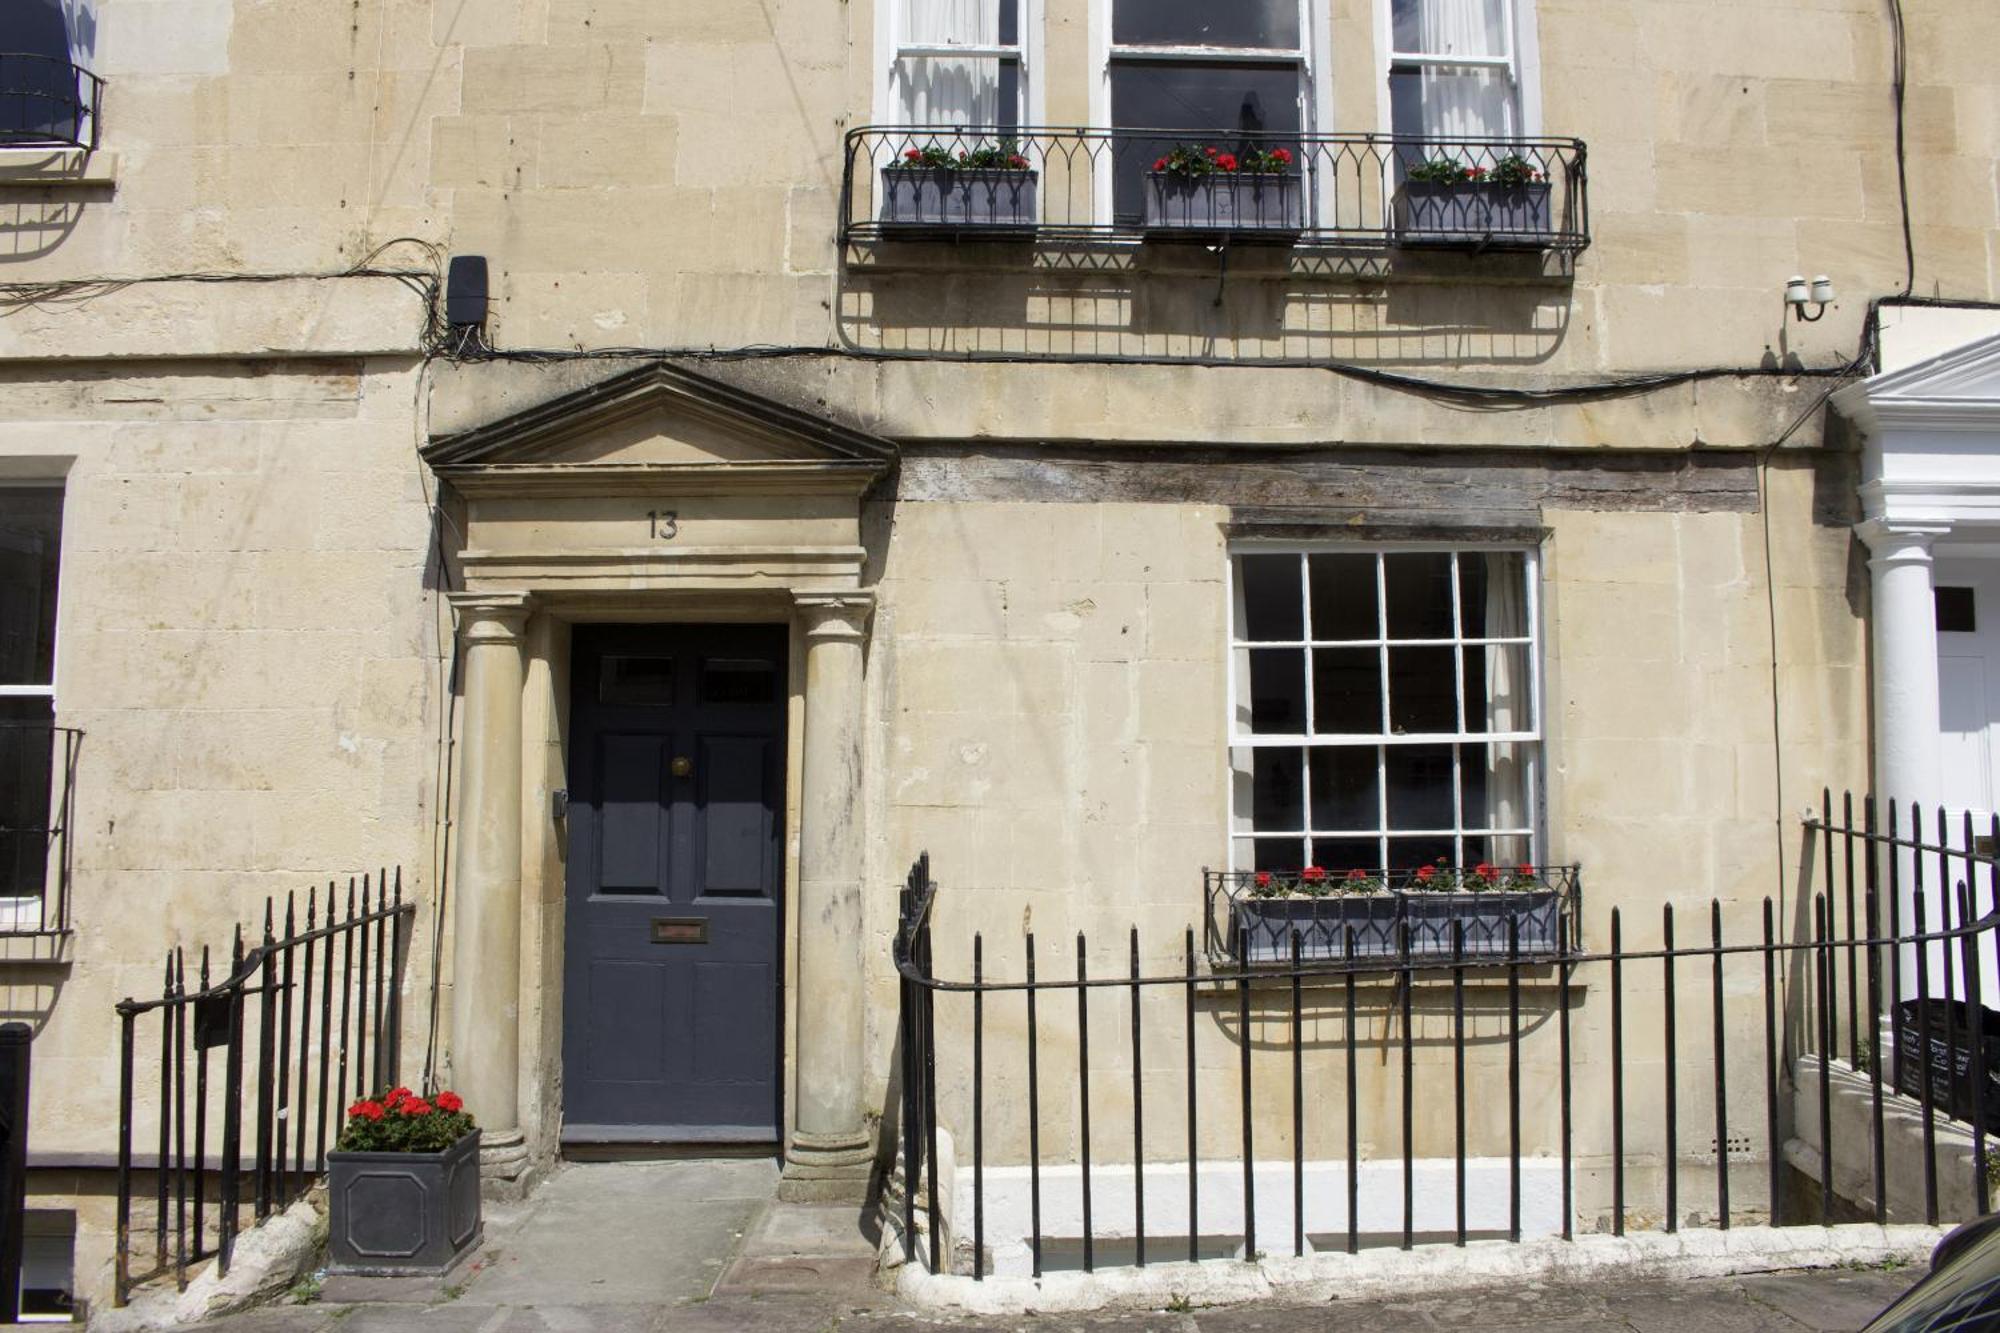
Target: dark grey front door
<point>671,975</point>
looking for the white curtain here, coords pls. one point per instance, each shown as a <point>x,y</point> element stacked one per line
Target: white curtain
<point>1507,706</point>
<point>939,90</point>
<point>1457,101</point>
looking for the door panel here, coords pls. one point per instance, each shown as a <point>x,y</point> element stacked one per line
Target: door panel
<point>672,1003</point>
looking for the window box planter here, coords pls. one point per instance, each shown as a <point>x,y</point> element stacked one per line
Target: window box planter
<point>1946,1051</point>
<point>400,1214</point>
<point>1473,213</point>
<point>1485,916</point>
<point>1265,926</point>
<point>959,199</point>
<point>1260,205</point>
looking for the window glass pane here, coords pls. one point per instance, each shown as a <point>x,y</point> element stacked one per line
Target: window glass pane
<point>950,91</point>
<point>1492,590</point>
<point>1195,102</point>
<point>1281,854</point>
<point>1496,785</point>
<point>1420,786</point>
<point>1452,103</point>
<point>1497,693</point>
<point>1269,605</point>
<point>1345,786</point>
<point>30,551</point>
<point>1262,23</point>
<point>1337,856</point>
<point>1347,691</point>
<point>958,22</point>
<point>1277,786</point>
<point>26,771</point>
<point>1277,691</point>
<point>1450,27</point>
<point>1343,597</point>
<point>1407,854</point>
<point>728,680</point>
<point>1419,593</point>
<point>1423,695</point>
<point>636,680</point>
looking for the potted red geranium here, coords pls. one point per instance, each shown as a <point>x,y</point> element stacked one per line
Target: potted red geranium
<point>989,187</point>
<point>1198,191</point>
<point>1443,201</point>
<point>403,1186</point>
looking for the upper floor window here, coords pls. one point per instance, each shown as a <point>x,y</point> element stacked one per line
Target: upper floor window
<point>1384,712</point>
<point>45,94</point>
<point>30,551</point>
<point>957,62</point>
<point>1200,70</point>
<point>1455,69</point>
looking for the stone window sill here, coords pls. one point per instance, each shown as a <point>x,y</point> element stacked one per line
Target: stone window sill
<point>57,168</point>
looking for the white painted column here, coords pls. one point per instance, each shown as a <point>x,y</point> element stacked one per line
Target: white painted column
<point>831,1153</point>
<point>486,881</point>
<point>1906,691</point>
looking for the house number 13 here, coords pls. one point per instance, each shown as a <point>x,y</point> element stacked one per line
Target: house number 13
<point>666,524</point>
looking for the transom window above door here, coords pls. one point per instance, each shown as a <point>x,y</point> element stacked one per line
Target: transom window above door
<point>1384,711</point>
<point>959,63</point>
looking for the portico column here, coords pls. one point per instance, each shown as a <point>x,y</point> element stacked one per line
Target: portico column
<point>1903,599</point>
<point>486,882</point>
<point>831,1153</point>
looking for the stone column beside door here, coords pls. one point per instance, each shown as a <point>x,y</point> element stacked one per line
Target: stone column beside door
<point>831,1152</point>
<point>485,889</point>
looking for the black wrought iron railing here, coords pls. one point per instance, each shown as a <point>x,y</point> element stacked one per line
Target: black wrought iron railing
<point>304,1021</point>
<point>38,762</point>
<point>1369,191</point>
<point>47,100</point>
<point>1283,1044</point>
<point>1252,914</point>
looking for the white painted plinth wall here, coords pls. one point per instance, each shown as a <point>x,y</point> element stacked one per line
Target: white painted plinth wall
<point>1008,1228</point>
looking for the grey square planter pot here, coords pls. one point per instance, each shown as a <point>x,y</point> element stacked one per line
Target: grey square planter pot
<point>1468,213</point>
<point>1251,204</point>
<point>973,199</point>
<point>402,1214</point>
<point>1322,923</point>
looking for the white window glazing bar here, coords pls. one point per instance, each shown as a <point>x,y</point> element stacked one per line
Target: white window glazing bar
<point>1424,59</point>
<point>1275,55</point>
<point>27,691</point>
<point>1382,718</point>
<point>1312,725</point>
<point>958,51</point>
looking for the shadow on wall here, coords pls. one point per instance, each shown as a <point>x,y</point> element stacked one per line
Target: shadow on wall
<point>32,228</point>
<point>1188,302</point>
<point>29,989</point>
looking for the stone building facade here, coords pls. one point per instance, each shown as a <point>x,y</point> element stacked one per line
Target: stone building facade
<point>326,585</point>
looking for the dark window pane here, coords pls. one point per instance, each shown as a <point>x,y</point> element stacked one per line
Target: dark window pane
<point>1010,22</point>
<point>1423,696</point>
<point>1280,854</point>
<point>1955,612</point>
<point>1497,693</point>
<point>1278,691</point>
<point>1476,29</point>
<point>1418,586</point>
<point>1343,597</point>
<point>636,680</point>
<point>1207,102</point>
<point>1493,594</point>
<point>1268,592</point>
<point>729,680</point>
<point>1261,23</point>
<point>1345,785</point>
<point>26,769</point>
<point>30,551</point>
<point>1408,854</point>
<point>1337,856</point>
<point>1277,784</point>
<point>1420,791</point>
<point>38,85</point>
<point>1347,691</point>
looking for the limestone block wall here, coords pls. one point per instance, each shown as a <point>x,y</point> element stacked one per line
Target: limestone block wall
<point>1048,697</point>
<point>246,639</point>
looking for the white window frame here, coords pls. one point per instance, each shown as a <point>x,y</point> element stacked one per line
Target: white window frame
<point>26,912</point>
<point>1523,63</point>
<point>1533,738</point>
<point>1311,57</point>
<point>891,50</point>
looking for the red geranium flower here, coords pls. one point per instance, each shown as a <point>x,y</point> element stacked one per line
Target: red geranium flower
<point>1312,874</point>
<point>1284,155</point>
<point>1525,869</point>
<point>1016,161</point>
<point>366,1110</point>
<point>1484,870</point>
<point>1160,164</point>
<point>1357,873</point>
<point>1210,151</point>
<point>1426,873</point>
<point>450,1102</point>
<point>395,1097</point>
<point>1263,879</point>
<point>914,154</point>
<point>415,1106</point>
<point>1227,162</point>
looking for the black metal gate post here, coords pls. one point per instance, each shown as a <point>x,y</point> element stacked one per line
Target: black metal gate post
<point>15,1039</point>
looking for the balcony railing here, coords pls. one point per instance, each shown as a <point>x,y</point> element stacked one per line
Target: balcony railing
<point>47,101</point>
<point>1337,191</point>
<point>37,809</point>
